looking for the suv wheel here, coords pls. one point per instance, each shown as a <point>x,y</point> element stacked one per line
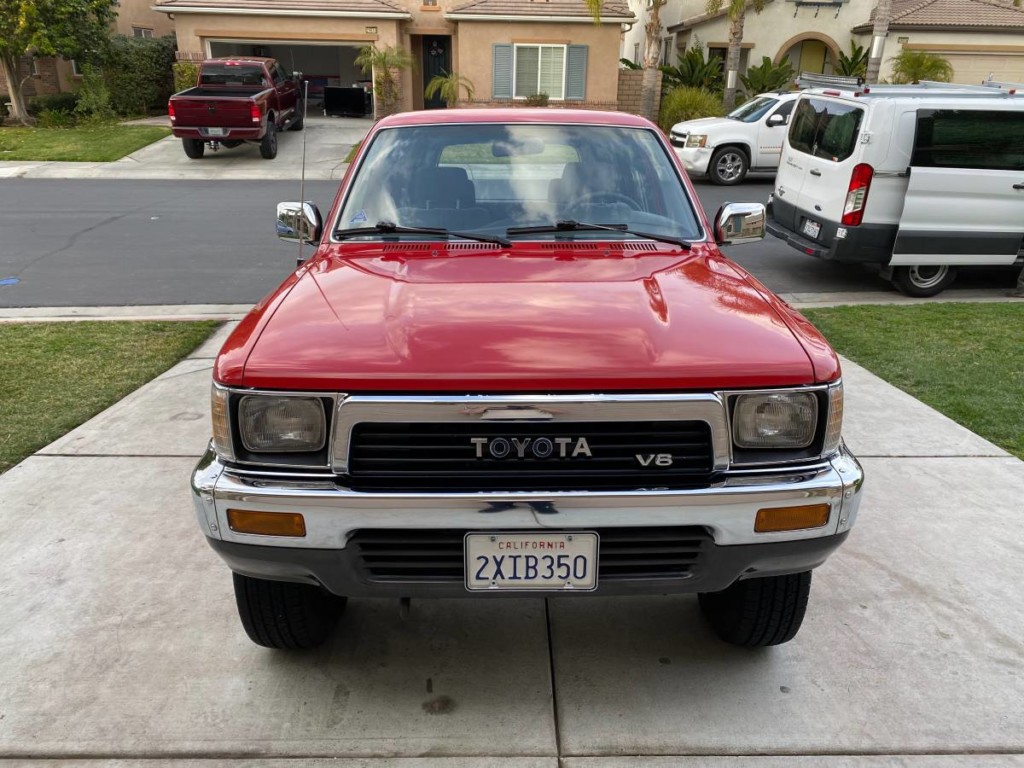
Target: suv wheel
<point>923,281</point>
<point>728,166</point>
<point>286,615</point>
<point>758,612</point>
<point>194,148</point>
<point>268,147</point>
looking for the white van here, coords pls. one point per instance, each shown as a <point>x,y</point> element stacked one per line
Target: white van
<point>919,179</point>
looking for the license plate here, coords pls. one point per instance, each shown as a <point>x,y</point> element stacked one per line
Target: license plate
<point>558,562</point>
<point>811,228</point>
<point>215,131</point>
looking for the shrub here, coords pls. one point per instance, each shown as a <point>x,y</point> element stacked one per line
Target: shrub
<point>93,95</point>
<point>693,71</point>
<point>3,109</point>
<point>767,77</point>
<point>56,118</point>
<point>688,104</point>
<point>855,63</point>
<point>52,102</point>
<point>537,100</point>
<point>186,74</point>
<point>914,66</point>
<point>137,72</point>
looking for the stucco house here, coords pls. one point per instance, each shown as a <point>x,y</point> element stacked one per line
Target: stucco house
<point>46,75</point>
<point>508,49</point>
<point>979,37</point>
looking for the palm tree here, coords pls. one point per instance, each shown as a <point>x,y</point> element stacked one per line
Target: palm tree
<point>914,66</point>
<point>449,85</point>
<point>384,64</point>
<point>649,87</point>
<point>883,15</point>
<point>737,12</point>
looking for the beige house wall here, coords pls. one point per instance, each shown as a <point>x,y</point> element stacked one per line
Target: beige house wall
<point>476,38</point>
<point>195,29</point>
<point>138,13</point>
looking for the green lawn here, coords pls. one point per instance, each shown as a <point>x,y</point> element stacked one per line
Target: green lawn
<point>92,144</point>
<point>54,376</point>
<point>965,360</point>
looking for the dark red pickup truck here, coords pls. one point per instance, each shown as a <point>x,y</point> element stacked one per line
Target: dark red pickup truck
<point>235,101</point>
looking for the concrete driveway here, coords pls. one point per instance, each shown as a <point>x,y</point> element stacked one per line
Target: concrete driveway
<point>119,639</point>
<point>328,141</point>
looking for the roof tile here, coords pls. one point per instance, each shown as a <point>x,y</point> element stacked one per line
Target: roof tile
<point>311,6</point>
<point>610,8</point>
<point>953,14</point>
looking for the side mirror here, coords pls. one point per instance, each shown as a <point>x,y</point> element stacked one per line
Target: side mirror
<point>774,120</point>
<point>738,223</point>
<point>299,222</point>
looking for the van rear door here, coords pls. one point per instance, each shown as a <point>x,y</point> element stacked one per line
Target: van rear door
<point>965,199</point>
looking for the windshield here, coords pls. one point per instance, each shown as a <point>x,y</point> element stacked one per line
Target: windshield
<point>487,178</point>
<point>752,111</point>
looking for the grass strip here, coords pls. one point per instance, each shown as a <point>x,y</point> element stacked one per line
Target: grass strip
<point>54,376</point>
<point>965,360</point>
<point>84,144</point>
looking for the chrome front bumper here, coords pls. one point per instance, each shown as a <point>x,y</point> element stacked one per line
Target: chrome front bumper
<point>332,513</point>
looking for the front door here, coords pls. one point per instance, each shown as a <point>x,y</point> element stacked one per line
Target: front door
<point>437,60</point>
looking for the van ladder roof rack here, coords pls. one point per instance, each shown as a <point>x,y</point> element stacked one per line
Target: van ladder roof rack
<point>817,80</point>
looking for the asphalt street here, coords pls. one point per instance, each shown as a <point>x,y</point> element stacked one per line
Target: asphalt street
<point>85,242</point>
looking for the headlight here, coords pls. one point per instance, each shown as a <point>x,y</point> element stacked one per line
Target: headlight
<point>775,420</point>
<point>273,424</point>
<point>696,140</point>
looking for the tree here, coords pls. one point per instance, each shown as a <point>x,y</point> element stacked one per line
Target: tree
<point>914,66</point>
<point>737,12</point>
<point>74,29</point>
<point>853,64</point>
<point>449,86</point>
<point>384,64</point>
<point>649,86</point>
<point>883,15</point>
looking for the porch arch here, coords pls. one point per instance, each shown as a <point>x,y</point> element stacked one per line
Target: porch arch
<point>818,51</point>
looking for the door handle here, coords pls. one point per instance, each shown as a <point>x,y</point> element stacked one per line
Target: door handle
<point>1019,186</point>
<point>815,172</point>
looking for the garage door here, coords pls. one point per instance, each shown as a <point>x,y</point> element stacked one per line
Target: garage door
<point>975,67</point>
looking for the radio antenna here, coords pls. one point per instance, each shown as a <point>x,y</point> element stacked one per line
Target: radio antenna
<point>302,176</point>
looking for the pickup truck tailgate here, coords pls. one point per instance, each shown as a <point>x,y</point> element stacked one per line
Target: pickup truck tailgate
<point>221,111</point>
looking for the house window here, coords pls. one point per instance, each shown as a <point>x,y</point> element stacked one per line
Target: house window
<point>35,67</point>
<point>75,69</point>
<point>666,46</point>
<point>636,54</point>
<point>142,32</point>
<point>539,69</point>
<point>429,3</point>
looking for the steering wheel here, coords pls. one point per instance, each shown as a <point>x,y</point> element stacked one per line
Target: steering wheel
<point>612,197</point>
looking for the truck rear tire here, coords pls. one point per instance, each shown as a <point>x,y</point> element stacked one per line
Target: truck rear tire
<point>194,148</point>
<point>286,615</point>
<point>268,146</point>
<point>923,281</point>
<point>300,110</point>
<point>758,612</point>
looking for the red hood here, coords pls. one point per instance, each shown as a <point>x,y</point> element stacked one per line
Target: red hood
<point>360,320</point>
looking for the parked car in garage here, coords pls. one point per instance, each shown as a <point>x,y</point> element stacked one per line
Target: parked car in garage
<point>919,179</point>
<point>236,100</point>
<point>517,363</point>
<point>747,140</point>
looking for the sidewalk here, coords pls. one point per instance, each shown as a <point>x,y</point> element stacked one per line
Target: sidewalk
<point>119,637</point>
<point>327,139</point>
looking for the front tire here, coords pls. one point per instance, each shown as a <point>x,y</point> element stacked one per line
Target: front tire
<point>194,148</point>
<point>728,166</point>
<point>285,615</point>
<point>759,612</point>
<point>268,146</point>
<point>923,281</point>
<point>300,110</point>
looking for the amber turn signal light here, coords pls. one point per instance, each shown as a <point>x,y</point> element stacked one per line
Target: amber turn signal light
<point>266,523</point>
<point>791,518</point>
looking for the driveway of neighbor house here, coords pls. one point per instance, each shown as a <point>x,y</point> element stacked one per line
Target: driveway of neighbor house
<point>328,140</point>
<point>119,636</point>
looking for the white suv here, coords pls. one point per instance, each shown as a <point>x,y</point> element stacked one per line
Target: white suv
<point>747,139</point>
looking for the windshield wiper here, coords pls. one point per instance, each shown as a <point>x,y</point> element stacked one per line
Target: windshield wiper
<point>578,226</point>
<point>390,228</point>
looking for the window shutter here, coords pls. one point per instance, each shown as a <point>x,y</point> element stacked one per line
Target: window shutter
<point>576,73</point>
<point>501,75</point>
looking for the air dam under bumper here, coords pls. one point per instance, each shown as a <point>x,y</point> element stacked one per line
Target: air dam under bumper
<point>333,514</point>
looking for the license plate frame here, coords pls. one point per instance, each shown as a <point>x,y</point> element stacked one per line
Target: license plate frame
<point>218,132</point>
<point>811,228</point>
<point>565,548</point>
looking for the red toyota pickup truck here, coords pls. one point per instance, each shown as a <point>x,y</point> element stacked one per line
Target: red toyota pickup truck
<point>236,101</point>
<point>517,363</point>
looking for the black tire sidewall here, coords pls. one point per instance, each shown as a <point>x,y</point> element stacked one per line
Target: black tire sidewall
<point>713,167</point>
<point>268,146</point>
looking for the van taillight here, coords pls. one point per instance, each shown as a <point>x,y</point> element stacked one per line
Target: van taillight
<point>170,110</point>
<point>254,110</point>
<point>857,194</point>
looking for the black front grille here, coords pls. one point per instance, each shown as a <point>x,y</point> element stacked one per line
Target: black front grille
<point>441,456</point>
<point>436,555</point>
